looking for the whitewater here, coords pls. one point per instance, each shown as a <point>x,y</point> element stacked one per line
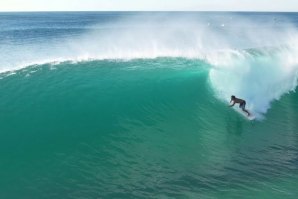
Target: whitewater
<point>135,105</point>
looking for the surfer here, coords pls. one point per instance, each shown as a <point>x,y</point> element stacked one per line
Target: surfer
<point>241,102</point>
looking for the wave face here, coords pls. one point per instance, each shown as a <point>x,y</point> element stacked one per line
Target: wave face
<point>134,105</point>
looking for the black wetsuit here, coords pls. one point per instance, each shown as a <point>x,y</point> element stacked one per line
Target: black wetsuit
<point>242,105</point>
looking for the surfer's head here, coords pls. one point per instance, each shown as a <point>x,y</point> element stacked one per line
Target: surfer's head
<point>233,97</point>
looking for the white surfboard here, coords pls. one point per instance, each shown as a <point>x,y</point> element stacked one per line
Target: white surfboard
<point>239,110</point>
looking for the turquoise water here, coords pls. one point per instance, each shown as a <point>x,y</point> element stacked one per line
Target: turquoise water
<point>140,124</point>
<point>112,129</point>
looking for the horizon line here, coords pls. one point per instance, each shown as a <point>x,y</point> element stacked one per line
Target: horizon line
<point>268,11</point>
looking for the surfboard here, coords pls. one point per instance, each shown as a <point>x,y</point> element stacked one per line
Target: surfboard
<point>250,117</point>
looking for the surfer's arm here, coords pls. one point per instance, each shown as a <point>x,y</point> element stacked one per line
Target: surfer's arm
<point>232,104</point>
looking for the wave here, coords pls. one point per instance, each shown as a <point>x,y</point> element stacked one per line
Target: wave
<point>249,59</point>
<point>258,76</point>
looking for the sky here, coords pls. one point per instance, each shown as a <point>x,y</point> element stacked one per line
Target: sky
<point>149,5</point>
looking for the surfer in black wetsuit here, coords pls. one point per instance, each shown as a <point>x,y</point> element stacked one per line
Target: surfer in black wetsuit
<point>241,102</point>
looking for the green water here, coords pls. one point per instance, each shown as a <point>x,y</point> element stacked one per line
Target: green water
<point>139,129</point>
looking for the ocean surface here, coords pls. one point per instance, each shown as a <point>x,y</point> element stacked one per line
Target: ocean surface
<point>135,105</point>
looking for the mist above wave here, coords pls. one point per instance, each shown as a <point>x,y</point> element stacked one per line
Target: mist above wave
<point>151,35</point>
